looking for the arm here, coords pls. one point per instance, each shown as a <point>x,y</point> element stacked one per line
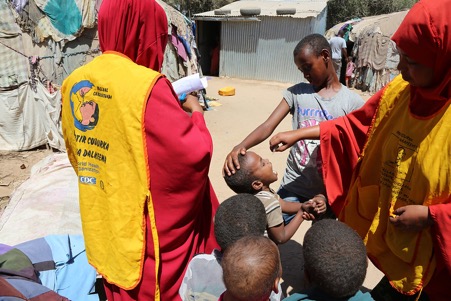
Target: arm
<point>179,149</point>
<point>289,207</point>
<point>281,234</point>
<point>419,217</point>
<point>440,215</point>
<point>284,140</point>
<point>344,52</point>
<point>255,137</point>
<point>411,218</point>
<point>317,205</point>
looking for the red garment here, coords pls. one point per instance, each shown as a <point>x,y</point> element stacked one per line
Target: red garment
<point>214,67</point>
<point>179,149</point>
<point>342,140</point>
<point>425,37</point>
<point>138,29</point>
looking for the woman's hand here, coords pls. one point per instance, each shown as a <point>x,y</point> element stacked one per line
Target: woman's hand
<point>191,104</point>
<point>282,141</point>
<point>231,162</point>
<point>411,218</point>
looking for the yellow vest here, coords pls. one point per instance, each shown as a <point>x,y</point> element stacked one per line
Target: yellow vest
<point>103,125</point>
<point>405,162</point>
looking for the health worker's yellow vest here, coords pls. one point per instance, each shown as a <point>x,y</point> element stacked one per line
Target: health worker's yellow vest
<point>405,162</point>
<point>103,125</point>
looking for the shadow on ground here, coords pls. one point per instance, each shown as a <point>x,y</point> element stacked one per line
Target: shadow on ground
<point>292,267</point>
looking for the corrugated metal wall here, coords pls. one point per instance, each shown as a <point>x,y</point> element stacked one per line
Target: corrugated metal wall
<point>263,50</point>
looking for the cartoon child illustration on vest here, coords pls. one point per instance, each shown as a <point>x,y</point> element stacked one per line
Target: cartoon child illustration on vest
<point>84,110</point>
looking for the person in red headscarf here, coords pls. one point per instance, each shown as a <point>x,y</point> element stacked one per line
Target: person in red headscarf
<point>387,166</point>
<point>146,201</point>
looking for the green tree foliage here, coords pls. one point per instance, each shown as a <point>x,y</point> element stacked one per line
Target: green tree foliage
<point>343,10</point>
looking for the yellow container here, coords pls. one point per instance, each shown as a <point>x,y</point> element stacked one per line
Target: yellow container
<point>227,91</point>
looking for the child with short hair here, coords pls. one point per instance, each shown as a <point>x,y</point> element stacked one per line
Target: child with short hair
<point>255,176</point>
<point>322,98</point>
<point>335,263</point>
<point>252,269</point>
<point>238,216</point>
<point>349,71</point>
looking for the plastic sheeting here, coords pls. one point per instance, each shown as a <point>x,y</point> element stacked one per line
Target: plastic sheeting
<point>14,70</point>
<point>60,20</point>
<point>174,66</point>
<point>375,54</point>
<point>29,119</point>
<point>45,204</point>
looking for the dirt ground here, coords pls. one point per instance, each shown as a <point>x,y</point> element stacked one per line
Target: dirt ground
<point>15,169</point>
<point>229,119</point>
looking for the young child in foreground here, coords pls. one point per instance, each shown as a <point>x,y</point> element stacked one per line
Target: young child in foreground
<point>335,263</point>
<point>252,269</point>
<point>238,216</point>
<point>255,176</point>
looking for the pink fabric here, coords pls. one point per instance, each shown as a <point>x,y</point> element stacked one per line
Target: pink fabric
<point>350,68</point>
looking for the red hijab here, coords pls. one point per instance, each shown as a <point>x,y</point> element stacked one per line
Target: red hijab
<point>138,29</point>
<point>425,36</point>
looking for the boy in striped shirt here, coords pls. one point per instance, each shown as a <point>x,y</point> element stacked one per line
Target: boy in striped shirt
<point>255,176</point>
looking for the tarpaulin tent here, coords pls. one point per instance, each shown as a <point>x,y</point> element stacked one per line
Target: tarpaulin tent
<point>374,53</point>
<point>41,43</point>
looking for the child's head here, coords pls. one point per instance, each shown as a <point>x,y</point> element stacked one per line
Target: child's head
<point>334,258</point>
<point>255,174</point>
<point>240,215</point>
<point>313,57</point>
<point>349,59</point>
<point>251,269</point>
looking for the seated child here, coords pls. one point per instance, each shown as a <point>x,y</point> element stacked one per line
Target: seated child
<point>238,216</point>
<point>255,176</point>
<point>252,269</point>
<point>335,263</point>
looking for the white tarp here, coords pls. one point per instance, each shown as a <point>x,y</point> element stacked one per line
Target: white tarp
<point>47,203</point>
<point>29,118</point>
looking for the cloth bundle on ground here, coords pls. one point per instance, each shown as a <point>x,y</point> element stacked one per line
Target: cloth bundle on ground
<point>51,268</point>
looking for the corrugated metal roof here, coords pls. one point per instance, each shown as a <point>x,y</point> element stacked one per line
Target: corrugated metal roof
<point>297,9</point>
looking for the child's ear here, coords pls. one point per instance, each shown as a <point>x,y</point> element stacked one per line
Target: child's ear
<point>275,288</point>
<point>257,185</point>
<point>326,55</point>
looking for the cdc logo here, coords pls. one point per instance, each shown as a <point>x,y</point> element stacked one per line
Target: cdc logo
<point>88,180</point>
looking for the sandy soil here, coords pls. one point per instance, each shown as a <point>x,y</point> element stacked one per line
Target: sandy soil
<point>15,169</point>
<point>229,119</point>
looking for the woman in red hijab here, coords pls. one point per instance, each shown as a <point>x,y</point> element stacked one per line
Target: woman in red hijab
<point>146,201</point>
<point>387,166</point>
